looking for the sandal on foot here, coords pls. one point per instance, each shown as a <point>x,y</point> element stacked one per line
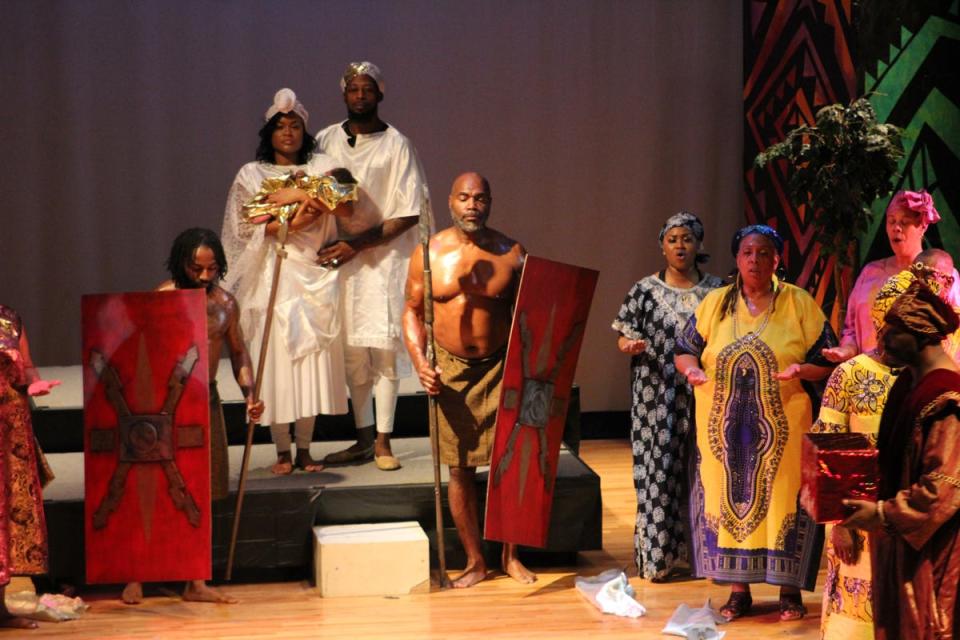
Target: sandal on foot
<point>387,463</point>
<point>791,607</point>
<point>738,605</point>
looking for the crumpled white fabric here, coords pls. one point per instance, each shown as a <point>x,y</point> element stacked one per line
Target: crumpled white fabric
<point>696,624</point>
<point>49,607</point>
<point>611,593</point>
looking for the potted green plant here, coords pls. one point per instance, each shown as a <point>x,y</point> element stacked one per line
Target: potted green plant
<point>837,168</point>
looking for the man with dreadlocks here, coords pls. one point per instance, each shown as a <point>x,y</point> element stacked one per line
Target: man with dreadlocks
<point>197,261</point>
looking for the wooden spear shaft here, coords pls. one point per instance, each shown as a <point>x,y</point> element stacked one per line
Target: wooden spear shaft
<point>424,228</point>
<point>264,341</point>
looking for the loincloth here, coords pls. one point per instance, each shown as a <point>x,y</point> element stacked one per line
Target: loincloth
<point>219,459</point>
<point>467,407</point>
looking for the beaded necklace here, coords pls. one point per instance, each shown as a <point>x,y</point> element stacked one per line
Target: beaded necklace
<point>752,335</point>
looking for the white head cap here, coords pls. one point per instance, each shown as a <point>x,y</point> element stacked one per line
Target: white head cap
<point>285,101</point>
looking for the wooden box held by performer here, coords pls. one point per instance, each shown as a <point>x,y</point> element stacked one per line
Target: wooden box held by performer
<point>836,466</point>
<point>146,437</point>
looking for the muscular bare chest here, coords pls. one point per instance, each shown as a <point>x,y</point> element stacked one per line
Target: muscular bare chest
<point>479,275</point>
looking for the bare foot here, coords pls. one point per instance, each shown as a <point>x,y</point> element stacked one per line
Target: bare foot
<point>283,466</point>
<point>305,462</point>
<point>132,593</point>
<point>8,621</point>
<point>470,576</point>
<point>200,591</point>
<point>515,569</point>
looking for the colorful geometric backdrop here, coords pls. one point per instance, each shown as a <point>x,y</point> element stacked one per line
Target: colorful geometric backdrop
<point>909,52</point>
<point>800,55</point>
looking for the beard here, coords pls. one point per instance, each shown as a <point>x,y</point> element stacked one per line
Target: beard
<point>200,284</point>
<point>362,117</point>
<point>469,226</point>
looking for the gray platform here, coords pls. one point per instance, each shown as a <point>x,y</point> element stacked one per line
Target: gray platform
<point>279,512</point>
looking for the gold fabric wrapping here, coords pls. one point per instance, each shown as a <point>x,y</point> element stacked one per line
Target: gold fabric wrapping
<point>327,189</point>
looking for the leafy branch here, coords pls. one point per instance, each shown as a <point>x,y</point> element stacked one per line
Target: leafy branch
<point>837,168</point>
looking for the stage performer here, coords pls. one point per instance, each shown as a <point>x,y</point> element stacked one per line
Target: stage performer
<point>476,271</point>
<point>936,268</point>
<point>372,255</point>
<point>23,469</point>
<point>655,309</point>
<point>914,527</point>
<point>746,350</point>
<point>304,373</point>
<point>853,402</point>
<point>197,261</point>
<point>908,216</point>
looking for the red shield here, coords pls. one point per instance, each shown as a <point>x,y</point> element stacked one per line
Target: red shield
<point>548,324</point>
<point>146,437</point>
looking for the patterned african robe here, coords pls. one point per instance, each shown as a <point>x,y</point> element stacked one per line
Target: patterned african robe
<point>23,531</point>
<point>746,520</point>
<point>916,559</point>
<point>852,403</point>
<point>660,418</point>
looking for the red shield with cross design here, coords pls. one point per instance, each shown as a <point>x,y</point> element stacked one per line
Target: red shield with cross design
<point>146,437</point>
<point>549,319</point>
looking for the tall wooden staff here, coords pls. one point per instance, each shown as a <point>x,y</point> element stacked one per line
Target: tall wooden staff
<point>284,221</point>
<point>424,226</point>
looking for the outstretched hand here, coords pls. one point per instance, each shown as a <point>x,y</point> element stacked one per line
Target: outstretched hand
<point>696,376</point>
<point>41,387</point>
<point>631,347</point>
<point>839,354</point>
<point>789,373</point>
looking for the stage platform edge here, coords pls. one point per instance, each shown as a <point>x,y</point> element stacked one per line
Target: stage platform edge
<point>280,512</point>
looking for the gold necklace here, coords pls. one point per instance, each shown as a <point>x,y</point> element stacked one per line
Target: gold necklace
<point>752,335</point>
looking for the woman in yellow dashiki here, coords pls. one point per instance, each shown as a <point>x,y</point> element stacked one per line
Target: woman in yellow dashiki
<point>853,402</point>
<point>746,351</point>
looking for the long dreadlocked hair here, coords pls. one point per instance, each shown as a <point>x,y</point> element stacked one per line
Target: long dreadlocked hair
<point>185,245</point>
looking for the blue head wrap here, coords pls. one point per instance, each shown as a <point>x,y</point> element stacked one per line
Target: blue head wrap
<point>761,229</point>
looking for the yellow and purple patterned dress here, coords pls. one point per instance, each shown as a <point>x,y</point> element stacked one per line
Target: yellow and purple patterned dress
<point>852,403</point>
<point>746,520</point>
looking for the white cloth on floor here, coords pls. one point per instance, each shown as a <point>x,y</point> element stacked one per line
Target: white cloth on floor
<point>611,593</point>
<point>696,624</point>
<point>49,607</point>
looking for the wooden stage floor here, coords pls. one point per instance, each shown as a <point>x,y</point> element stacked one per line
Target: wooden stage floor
<point>498,607</point>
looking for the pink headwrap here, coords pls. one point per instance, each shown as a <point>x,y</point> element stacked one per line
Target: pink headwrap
<point>917,201</point>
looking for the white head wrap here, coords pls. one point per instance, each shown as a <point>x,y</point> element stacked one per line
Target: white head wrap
<point>355,69</point>
<point>285,101</point>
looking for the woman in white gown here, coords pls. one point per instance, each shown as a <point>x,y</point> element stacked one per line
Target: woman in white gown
<point>303,371</point>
